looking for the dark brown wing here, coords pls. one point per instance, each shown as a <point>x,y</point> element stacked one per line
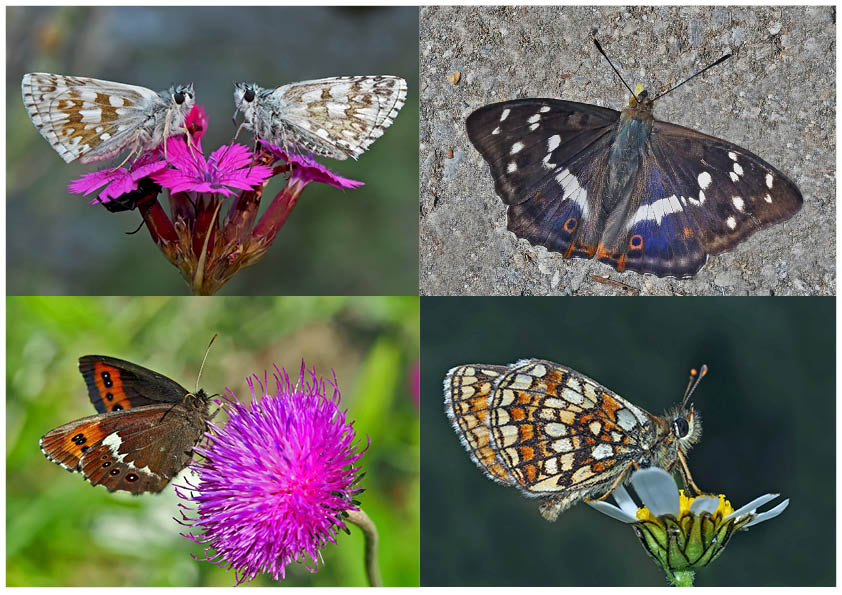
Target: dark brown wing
<point>116,385</point>
<point>137,451</point>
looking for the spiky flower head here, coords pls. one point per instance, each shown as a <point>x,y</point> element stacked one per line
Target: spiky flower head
<point>275,481</point>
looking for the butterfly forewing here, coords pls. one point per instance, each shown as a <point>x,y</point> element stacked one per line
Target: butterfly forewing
<point>528,142</point>
<point>115,384</point>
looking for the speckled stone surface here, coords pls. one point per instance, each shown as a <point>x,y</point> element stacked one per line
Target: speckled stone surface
<point>775,97</point>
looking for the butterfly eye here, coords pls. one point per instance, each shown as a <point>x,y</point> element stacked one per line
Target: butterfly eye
<point>249,95</point>
<point>681,427</point>
<point>179,98</point>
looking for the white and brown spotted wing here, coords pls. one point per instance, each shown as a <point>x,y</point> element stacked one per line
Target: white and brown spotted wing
<point>90,119</point>
<point>335,117</point>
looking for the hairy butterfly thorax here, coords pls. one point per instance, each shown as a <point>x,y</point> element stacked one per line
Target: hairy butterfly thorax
<point>559,436</point>
<point>633,192</point>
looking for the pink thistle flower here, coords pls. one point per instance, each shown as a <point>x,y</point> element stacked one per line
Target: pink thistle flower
<point>276,480</point>
<point>119,181</point>
<point>229,165</point>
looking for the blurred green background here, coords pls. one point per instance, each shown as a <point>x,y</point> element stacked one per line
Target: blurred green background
<point>357,242</point>
<point>61,531</point>
<point>768,406</point>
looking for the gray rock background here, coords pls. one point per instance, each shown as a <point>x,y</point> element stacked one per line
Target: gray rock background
<point>775,96</point>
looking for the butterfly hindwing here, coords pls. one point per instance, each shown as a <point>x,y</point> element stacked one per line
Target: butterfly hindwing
<point>137,451</point>
<point>467,392</point>
<point>115,384</point>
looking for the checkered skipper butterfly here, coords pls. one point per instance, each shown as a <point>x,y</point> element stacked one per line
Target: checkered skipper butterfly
<point>91,120</point>
<point>333,117</point>
<point>637,193</point>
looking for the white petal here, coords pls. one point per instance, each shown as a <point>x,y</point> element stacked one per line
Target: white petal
<point>657,489</point>
<point>751,506</point>
<point>704,504</point>
<point>625,502</point>
<point>769,514</point>
<point>612,511</point>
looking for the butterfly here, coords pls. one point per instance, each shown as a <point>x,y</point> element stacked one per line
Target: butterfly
<point>333,117</point>
<point>559,436</point>
<point>144,431</point>
<point>91,120</point>
<point>634,192</point>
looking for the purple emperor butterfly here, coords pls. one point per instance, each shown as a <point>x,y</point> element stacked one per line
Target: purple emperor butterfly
<point>559,436</point>
<point>335,117</point>
<point>91,120</point>
<point>635,193</point>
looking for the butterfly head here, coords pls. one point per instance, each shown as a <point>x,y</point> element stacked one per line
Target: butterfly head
<point>245,95</point>
<point>180,98</point>
<point>685,423</point>
<point>685,427</point>
<point>640,101</point>
<point>198,400</point>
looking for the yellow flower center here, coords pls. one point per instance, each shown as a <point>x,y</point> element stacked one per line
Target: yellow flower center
<point>723,509</point>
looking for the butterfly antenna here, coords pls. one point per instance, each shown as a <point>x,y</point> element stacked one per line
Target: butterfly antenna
<point>202,367</point>
<point>720,61</point>
<point>695,378</point>
<point>601,51</point>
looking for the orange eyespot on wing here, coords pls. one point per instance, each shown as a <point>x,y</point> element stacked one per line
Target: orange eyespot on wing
<point>67,444</point>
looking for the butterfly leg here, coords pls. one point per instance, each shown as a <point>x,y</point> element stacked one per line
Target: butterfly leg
<point>135,149</point>
<point>685,474</point>
<point>190,143</point>
<point>166,134</point>
<point>615,483</point>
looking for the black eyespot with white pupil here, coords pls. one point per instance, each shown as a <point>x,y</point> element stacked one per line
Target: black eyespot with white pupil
<point>249,95</point>
<point>681,427</point>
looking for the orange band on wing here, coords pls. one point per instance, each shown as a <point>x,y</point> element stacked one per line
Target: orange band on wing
<point>110,387</point>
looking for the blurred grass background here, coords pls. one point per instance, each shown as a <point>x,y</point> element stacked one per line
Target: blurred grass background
<point>357,242</point>
<point>768,407</point>
<point>61,531</point>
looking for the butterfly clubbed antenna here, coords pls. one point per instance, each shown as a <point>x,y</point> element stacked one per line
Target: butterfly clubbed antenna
<point>695,378</point>
<point>202,367</point>
<point>636,93</point>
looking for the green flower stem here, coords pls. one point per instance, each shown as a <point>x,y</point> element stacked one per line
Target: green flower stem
<point>681,578</point>
<point>361,520</point>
